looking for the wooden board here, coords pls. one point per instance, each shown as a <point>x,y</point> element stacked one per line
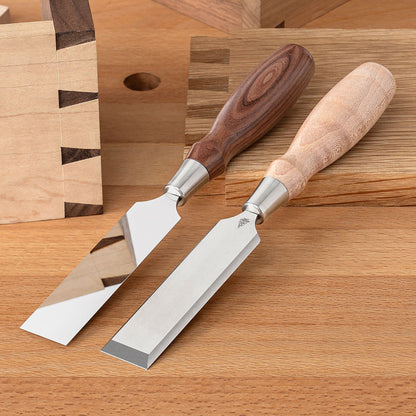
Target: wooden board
<point>379,171</point>
<point>49,129</point>
<point>230,15</point>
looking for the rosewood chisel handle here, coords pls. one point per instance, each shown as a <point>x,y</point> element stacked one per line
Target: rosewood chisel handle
<point>342,117</point>
<point>255,107</point>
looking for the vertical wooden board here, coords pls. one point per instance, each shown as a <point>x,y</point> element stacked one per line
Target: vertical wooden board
<point>81,158</point>
<point>31,184</point>
<point>79,113</point>
<point>49,115</point>
<point>225,15</point>
<point>380,170</point>
<point>230,15</point>
<point>294,13</point>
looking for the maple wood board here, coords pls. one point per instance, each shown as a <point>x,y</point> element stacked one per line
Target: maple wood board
<point>379,171</point>
<point>49,124</point>
<point>230,15</point>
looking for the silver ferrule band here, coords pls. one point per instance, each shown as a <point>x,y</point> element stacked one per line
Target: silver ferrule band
<point>191,176</point>
<point>269,195</point>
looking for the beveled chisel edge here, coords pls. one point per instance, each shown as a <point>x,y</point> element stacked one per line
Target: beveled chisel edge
<point>145,224</point>
<point>127,354</point>
<point>181,296</point>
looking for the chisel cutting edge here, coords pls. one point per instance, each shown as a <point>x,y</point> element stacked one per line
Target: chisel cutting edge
<point>333,127</point>
<point>254,108</point>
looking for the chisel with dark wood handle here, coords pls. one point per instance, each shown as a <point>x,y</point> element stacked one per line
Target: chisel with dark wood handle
<point>333,127</point>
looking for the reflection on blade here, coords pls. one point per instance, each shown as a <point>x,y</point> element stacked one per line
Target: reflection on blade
<point>82,293</point>
<point>180,297</point>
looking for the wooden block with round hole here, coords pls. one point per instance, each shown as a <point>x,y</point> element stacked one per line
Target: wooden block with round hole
<point>142,81</point>
<point>49,129</point>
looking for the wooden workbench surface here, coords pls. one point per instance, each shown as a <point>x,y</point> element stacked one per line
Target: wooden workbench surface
<point>320,320</point>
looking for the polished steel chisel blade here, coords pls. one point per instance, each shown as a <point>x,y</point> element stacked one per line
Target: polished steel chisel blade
<point>82,293</point>
<point>180,297</point>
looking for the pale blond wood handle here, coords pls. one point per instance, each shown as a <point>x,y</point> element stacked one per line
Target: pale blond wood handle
<point>335,125</point>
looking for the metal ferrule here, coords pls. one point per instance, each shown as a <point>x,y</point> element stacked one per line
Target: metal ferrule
<point>269,195</point>
<point>191,176</point>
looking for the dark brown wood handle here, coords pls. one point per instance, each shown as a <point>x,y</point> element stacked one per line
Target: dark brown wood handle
<point>255,107</point>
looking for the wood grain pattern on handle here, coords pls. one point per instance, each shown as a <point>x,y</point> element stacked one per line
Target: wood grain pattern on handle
<point>255,107</point>
<point>342,117</point>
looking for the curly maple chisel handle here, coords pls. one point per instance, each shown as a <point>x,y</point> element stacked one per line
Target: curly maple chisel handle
<point>335,125</point>
<point>338,122</point>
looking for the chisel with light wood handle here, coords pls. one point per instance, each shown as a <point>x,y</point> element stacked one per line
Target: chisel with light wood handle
<point>333,127</point>
<point>252,110</point>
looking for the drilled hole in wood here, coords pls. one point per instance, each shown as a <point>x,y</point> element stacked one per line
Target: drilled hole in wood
<point>142,81</point>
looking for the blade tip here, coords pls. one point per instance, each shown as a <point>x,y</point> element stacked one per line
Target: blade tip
<point>127,354</point>
<point>26,327</point>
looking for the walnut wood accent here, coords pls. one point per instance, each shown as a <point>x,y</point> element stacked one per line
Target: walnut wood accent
<point>70,154</point>
<point>378,171</point>
<point>335,125</point>
<point>255,107</point>
<point>107,241</point>
<point>80,210</point>
<point>72,20</point>
<point>68,98</point>
<point>230,15</point>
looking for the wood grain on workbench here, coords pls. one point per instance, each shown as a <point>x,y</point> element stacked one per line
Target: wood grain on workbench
<point>319,320</point>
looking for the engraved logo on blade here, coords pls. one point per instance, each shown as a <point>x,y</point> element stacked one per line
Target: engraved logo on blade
<point>243,222</point>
